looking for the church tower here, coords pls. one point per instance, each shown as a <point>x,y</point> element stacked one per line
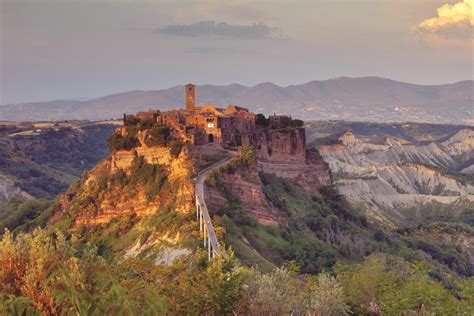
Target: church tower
<point>190,101</point>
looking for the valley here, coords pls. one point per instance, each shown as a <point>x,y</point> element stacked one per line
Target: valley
<point>399,176</point>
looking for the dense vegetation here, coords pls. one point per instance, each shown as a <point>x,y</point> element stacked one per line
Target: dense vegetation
<point>18,212</point>
<point>155,134</point>
<point>284,122</point>
<point>46,164</point>
<point>320,230</point>
<point>31,177</point>
<point>71,151</point>
<point>52,274</point>
<point>118,142</point>
<point>323,231</point>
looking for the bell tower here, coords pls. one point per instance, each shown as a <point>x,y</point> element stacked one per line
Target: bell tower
<point>190,100</point>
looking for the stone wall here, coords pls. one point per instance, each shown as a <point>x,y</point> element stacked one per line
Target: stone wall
<point>122,159</point>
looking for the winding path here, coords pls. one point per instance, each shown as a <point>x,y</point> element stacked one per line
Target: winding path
<point>202,213</point>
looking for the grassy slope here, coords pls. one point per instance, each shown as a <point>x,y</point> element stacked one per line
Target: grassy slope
<point>323,230</point>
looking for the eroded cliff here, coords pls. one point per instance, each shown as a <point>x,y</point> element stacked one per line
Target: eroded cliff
<point>401,182</point>
<point>245,186</point>
<point>141,181</point>
<point>283,152</point>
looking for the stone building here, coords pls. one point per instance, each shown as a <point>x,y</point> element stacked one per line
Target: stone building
<point>279,121</point>
<point>200,125</point>
<point>151,113</point>
<point>190,97</point>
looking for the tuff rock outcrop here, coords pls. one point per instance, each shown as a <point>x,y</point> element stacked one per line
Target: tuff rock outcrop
<point>284,153</point>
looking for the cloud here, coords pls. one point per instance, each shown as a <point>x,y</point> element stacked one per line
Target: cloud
<point>222,30</point>
<point>453,21</point>
<point>232,11</point>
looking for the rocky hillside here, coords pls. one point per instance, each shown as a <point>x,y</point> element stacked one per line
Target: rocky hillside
<point>284,152</point>
<point>366,98</point>
<point>139,181</point>
<point>270,220</point>
<point>142,192</point>
<point>399,181</point>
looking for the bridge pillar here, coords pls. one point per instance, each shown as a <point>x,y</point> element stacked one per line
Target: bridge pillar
<point>197,208</point>
<point>209,249</point>
<point>205,229</point>
<point>200,220</point>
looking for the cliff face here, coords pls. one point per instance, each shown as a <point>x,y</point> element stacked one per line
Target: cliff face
<point>281,145</point>
<point>140,181</point>
<point>246,186</point>
<point>278,151</point>
<point>283,152</point>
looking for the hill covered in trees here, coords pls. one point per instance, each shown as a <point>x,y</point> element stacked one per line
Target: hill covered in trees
<point>38,161</point>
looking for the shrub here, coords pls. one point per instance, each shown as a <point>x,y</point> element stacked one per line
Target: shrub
<point>268,294</point>
<point>324,295</point>
<point>145,123</point>
<point>152,176</point>
<point>131,121</point>
<point>388,285</point>
<point>175,148</point>
<point>43,273</point>
<point>158,135</point>
<point>119,142</point>
<point>120,177</point>
<point>261,120</point>
<point>248,156</point>
<point>297,123</point>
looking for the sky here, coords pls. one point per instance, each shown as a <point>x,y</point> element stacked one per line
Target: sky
<point>67,49</point>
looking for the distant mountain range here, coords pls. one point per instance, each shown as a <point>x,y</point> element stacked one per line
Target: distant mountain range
<point>366,98</point>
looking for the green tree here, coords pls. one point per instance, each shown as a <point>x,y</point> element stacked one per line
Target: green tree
<point>248,156</point>
<point>324,295</point>
<point>389,285</point>
<point>274,293</point>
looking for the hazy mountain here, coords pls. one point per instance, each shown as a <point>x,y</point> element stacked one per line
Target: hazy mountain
<point>367,98</point>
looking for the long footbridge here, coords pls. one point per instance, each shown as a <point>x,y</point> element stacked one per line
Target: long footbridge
<point>206,228</point>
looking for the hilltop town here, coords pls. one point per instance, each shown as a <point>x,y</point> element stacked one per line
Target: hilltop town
<point>279,141</point>
<point>204,124</point>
